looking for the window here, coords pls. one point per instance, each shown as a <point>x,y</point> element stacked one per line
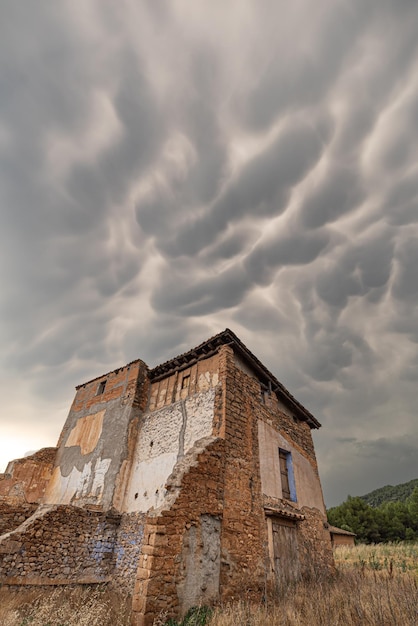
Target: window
<point>185,382</point>
<point>101,388</point>
<point>286,475</point>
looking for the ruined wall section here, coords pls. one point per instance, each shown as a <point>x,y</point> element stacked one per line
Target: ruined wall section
<point>94,444</point>
<point>127,550</point>
<point>12,515</point>
<point>60,545</point>
<point>26,479</point>
<point>180,560</point>
<point>181,411</point>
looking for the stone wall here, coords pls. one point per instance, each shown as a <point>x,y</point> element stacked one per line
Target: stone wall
<point>127,549</point>
<point>12,515</point>
<point>315,548</point>
<point>244,533</point>
<point>245,542</point>
<point>60,545</point>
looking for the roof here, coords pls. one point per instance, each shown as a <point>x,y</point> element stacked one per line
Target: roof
<point>339,531</point>
<point>211,346</point>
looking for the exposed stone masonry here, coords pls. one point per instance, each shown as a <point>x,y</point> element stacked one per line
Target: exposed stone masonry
<point>12,515</point>
<point>60,545</point>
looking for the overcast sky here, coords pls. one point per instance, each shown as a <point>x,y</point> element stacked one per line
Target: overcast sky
<point>169,169</point>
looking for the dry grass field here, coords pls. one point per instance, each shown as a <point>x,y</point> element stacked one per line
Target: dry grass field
<point>77,606</point>
<point>373,586</point>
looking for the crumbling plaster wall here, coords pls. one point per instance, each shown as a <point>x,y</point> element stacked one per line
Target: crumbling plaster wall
<point>94,442</point>
<point>308,486</point>
<point>165,436</point>
<point>180,412</point>
<point>184,532</point>
<point>26,479</point>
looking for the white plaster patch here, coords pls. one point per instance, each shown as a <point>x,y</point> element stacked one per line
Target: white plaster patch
<point>62,488</point>
<point>92,480</point>
<point>159,433</point>
<point>77,485</point>
<point>147,486</point>
<point>204,381</point>
<point>100,471</point>
<point>199,410</point>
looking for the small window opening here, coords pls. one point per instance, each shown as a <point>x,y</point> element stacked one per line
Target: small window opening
<point>101,388</point>
<point>185,382</point>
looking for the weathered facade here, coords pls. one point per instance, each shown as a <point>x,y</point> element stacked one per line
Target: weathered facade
<point>183,484</point>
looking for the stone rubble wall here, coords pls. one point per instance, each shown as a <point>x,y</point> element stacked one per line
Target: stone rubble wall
<point>127,550</point>
<point>244,531</point>
<point>315,548</point>
<point>60,545</point>
<point>12,515</point>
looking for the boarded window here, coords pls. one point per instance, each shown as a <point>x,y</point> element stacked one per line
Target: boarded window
<point>284,474</point>
<point>287,476</point>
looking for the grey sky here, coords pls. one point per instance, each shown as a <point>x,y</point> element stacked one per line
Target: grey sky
<point>170,169</point>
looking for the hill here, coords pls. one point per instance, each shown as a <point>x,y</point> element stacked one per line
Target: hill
<point>390,493</point>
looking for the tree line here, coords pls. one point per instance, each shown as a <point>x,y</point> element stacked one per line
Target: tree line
<point>390,521</point>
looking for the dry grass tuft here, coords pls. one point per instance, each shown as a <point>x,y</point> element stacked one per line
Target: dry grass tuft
<point>75,606</point>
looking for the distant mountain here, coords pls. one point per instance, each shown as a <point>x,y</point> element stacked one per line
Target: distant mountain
<point>390,493</point>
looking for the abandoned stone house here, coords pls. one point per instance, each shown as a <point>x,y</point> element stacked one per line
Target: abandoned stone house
<point>182,485</point>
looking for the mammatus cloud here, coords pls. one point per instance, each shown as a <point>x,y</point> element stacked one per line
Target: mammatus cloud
<point>170,170</point>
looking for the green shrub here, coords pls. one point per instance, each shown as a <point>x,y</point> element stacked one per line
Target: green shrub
<point>196,616</point>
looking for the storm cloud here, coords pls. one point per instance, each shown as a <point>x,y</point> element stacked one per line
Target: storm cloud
<point>171,169</point>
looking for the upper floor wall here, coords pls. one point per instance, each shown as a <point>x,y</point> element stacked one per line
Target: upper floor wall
<point>180,412</point>
<point>94,443</point>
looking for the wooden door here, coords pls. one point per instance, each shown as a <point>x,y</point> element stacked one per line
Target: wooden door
<point>285,551</point>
